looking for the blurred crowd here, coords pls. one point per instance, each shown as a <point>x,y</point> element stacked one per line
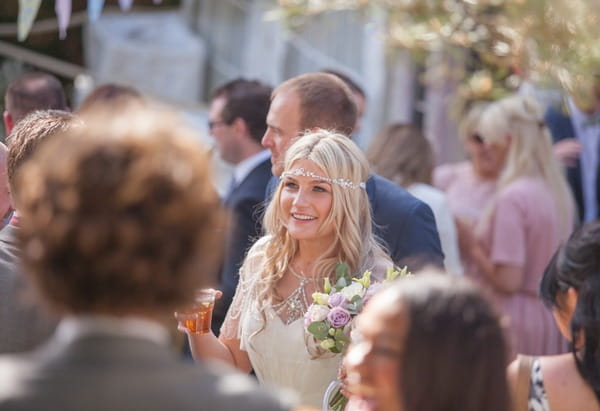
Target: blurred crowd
<point>111,223</point>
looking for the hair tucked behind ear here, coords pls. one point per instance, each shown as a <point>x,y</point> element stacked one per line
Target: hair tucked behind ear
<point>577,265</point>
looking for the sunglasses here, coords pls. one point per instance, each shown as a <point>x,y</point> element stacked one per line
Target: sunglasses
<point>476,138</point>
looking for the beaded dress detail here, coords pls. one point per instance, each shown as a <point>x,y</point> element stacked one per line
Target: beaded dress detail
<point>296,304</point>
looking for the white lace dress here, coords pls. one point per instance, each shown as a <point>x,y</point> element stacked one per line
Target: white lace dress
<point>278,352</point>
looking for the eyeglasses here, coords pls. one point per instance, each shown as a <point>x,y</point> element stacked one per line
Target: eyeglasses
<point>213,124</point>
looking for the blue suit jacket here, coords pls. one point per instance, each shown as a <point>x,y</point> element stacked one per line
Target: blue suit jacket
<point>561,127</point>
<point>245,204</point>
<point>404,224</point>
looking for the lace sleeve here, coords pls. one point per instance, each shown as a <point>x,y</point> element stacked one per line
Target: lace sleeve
<point>245,293</point>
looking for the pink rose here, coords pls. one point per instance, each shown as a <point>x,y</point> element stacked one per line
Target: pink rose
<point>338,317</point>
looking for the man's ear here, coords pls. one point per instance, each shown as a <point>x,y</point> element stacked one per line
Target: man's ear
<point>8,122</point>
<point>240,127</point>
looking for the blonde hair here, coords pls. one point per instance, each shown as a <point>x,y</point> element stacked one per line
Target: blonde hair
<point>468,124</point>
<point>530,152</point>
<point>350,213</point>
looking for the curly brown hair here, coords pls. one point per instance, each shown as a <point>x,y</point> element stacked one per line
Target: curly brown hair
<point>127,221</point>
<point>28,133</point>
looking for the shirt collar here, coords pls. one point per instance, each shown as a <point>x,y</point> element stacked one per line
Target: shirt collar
<point>245,167</point>
<point>72,328</point>
<point>581,119</point>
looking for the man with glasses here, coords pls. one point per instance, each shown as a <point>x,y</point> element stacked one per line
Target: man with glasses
<point>237,122</point>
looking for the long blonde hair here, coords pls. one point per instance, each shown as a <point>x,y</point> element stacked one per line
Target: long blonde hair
<point>530,152</point>
<point>350,213</point>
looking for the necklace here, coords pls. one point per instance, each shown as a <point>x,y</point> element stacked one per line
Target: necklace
<point>295,305</point>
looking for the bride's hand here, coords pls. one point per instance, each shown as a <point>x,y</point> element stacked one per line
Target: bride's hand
<point>181,317</point>
<point>218,293</point>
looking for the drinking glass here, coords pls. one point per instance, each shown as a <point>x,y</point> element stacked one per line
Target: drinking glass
<point>198,318</point>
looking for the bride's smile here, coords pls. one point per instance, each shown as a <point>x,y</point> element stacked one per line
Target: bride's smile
<point>306,202</point>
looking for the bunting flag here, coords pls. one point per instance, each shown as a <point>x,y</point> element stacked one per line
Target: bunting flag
<point>27,11</point>
<point>125,4</point>
<point>94,9</point>
<point>157,1</point>
<point>63,13</point>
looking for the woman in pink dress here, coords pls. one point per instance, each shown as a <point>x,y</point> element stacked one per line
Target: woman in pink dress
<point>469,185</point>
<point>530,215</point>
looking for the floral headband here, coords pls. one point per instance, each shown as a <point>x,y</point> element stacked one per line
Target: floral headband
<point>339,181</point>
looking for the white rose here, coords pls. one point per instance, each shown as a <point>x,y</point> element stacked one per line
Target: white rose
<point>318,312</point>
<point>352,290</point>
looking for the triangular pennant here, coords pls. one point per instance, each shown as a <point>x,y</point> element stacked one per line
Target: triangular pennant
<point>63,13</point>
<point>27,11</point>
<point>94,9</point>
<point>125,4</point>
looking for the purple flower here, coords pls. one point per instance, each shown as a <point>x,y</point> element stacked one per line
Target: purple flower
<point>338,317</point>
<point>336,299</point>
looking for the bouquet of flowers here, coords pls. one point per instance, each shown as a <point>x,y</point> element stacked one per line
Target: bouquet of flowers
<point>331,316</point>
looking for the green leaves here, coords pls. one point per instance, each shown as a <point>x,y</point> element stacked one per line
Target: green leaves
<point>356,304</point>
<point>341,340</point>
<point>319,329</point>
<point>343,276</point>
<point>341,270</point>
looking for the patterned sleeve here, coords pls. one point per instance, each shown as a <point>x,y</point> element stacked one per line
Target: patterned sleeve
<point>245,293</point>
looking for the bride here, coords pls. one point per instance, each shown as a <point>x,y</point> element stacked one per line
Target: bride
<point>319,216</point>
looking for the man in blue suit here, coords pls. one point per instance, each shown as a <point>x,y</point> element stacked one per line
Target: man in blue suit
<point>575,129</point>
<point>237,121</point>
<point>320,100</point>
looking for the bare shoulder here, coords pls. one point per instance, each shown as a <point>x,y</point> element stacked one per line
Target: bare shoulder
<point>512,372</point>
<point>565,387</point>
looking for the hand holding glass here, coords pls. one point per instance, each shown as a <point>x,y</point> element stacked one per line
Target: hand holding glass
<point>197,319</point>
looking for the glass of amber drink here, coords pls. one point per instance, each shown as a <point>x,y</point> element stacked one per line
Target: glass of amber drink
<point>198,318</point>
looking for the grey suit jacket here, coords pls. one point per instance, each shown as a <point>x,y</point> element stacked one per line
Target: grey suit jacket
<point>101,372</point>
<point>23,323</point>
